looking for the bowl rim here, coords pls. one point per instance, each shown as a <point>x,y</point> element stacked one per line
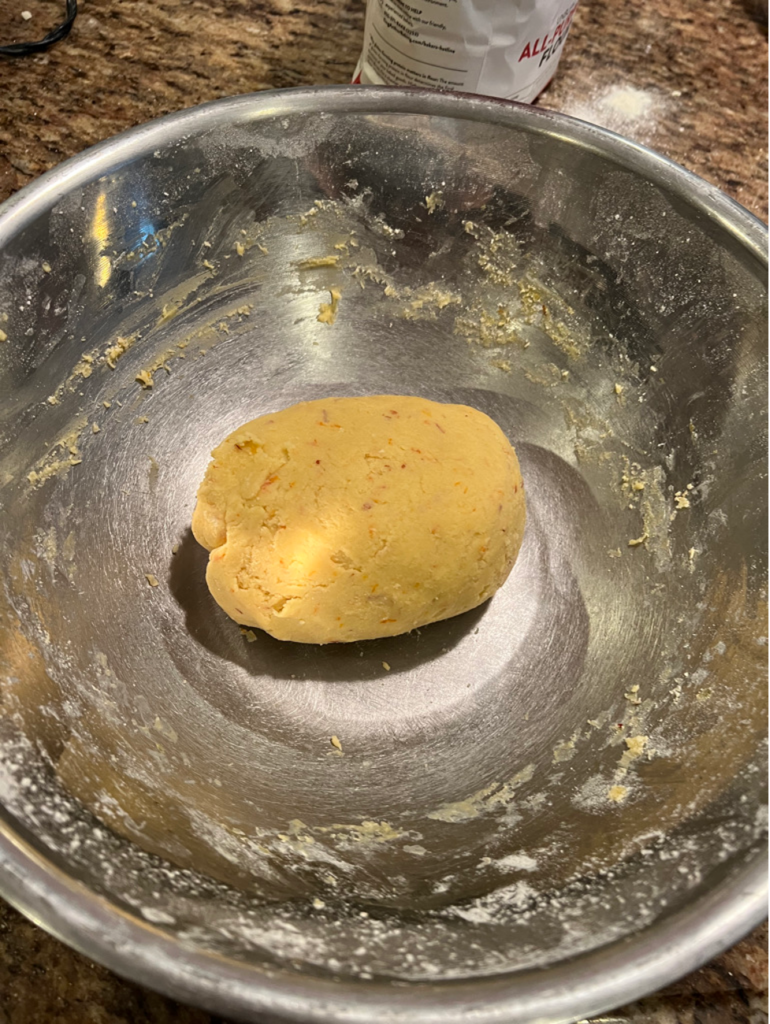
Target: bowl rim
<point>593,982</point>
<point>589,983</point>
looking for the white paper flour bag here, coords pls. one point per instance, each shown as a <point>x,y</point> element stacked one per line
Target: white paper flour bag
<point>505,48</point>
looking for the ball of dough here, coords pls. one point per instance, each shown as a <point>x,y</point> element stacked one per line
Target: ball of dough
<point>352,518</point>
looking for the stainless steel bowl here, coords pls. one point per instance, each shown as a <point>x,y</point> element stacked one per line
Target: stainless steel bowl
<point>541,808</point>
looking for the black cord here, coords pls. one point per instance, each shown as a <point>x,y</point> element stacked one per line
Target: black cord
<point>60,32</point>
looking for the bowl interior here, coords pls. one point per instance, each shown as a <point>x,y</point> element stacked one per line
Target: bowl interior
<point>553,771</point>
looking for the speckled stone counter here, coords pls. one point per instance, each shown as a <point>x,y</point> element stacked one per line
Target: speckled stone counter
<point>685,77</point>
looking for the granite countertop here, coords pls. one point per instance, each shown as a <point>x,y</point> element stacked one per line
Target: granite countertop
<point>685,77</point>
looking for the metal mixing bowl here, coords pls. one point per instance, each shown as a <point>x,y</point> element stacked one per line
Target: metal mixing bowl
<point>541,808</point>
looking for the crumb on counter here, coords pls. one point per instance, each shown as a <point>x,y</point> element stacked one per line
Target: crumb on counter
<point>152,580</point>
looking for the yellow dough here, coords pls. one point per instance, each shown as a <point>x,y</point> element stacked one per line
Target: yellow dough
<point>352,518</point>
